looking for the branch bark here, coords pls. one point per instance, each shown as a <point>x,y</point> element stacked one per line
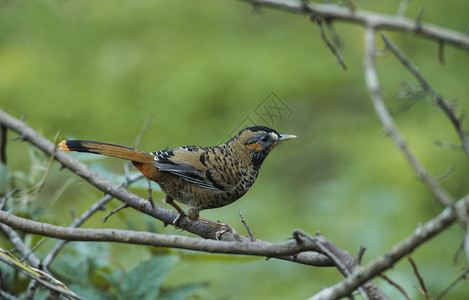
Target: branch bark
<point>257,248</point>
<point>370,19</point>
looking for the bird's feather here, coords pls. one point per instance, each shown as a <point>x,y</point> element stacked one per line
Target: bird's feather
<point>190,164</point>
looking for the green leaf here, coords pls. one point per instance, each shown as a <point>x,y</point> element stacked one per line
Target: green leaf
<point>180,293</point>
<point>85,259</point>
<point>144,281</point>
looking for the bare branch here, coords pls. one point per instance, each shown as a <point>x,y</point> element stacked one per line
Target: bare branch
<point>114,211</point>
<point>344,262</point>
<point>16,240</point>
<point>257,248</point>
<point>372,82</point>
<point>387,260</point>
<point>329,45</point>
<point>248,229</point>
<point>7,197</point>
<point>444,105</point>
<point>419,277</point>
<point>450,113</point>
<point>370,19</point>
<point>43,278</point>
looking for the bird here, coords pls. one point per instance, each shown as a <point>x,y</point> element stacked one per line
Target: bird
<point>199,177</point>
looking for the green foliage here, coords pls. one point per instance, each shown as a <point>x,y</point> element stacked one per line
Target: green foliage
<point>91,273</point>
<point>143,281</point>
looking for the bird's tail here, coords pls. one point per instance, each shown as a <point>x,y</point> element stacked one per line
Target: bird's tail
<point>106,149</point>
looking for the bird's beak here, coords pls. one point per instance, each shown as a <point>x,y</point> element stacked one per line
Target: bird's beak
<point>286,137</point>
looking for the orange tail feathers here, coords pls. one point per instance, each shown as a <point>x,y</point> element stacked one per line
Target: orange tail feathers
<point>107,149</point>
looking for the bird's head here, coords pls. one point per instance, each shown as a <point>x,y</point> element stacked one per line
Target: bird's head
<point>258,141</point>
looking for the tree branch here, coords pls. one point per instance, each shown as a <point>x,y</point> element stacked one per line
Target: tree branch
<point>370,19</point>
<point>257,248</point>
<point>450,113</point>
<point>437,98</point>
<point>372,82</point>
<point>386,261</point>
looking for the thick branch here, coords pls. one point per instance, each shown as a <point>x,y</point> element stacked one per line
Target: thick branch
<point>256,248</point>
<point>370,19</point>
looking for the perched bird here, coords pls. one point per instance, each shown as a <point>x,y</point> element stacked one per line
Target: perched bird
<point>200,177</point>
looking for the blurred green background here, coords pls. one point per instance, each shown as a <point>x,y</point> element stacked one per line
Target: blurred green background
<point>98,69</point>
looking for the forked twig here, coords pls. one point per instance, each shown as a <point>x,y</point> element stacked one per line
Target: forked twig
<point>419,277</point>
<point>329,45</point>
<point>248,229</point>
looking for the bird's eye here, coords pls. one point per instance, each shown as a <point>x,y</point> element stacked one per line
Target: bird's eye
<point>264,138</point>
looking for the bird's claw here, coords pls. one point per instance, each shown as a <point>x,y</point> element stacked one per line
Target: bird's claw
<point>227,228</point>
<point>177,219</point>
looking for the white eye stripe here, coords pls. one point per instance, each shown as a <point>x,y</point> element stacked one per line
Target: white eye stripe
<point>273,136</point>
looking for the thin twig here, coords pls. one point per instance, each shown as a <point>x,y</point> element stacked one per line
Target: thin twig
<point>419,277</point>
<point>361,252</point>
<point>461,277</point>
<point>7,197</point>
<point>336,40</point>
<point>328,43</point>
<point>418,20</point>
<point>248,229</point>
<point>20,246</point>
<point>402,8</point>
<point>114,211</point>
<point>43,278</point>
<point>438,99</point>
<point>33,249</point>
<point>396,285</point>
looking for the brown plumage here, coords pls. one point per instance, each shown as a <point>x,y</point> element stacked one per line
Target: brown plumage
<point>200,177</point>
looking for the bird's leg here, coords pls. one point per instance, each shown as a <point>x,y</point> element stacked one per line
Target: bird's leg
<point>181,213</point>
<point>150,196</point>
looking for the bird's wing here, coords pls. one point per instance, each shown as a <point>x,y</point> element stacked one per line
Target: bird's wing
<point>193,164</point>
